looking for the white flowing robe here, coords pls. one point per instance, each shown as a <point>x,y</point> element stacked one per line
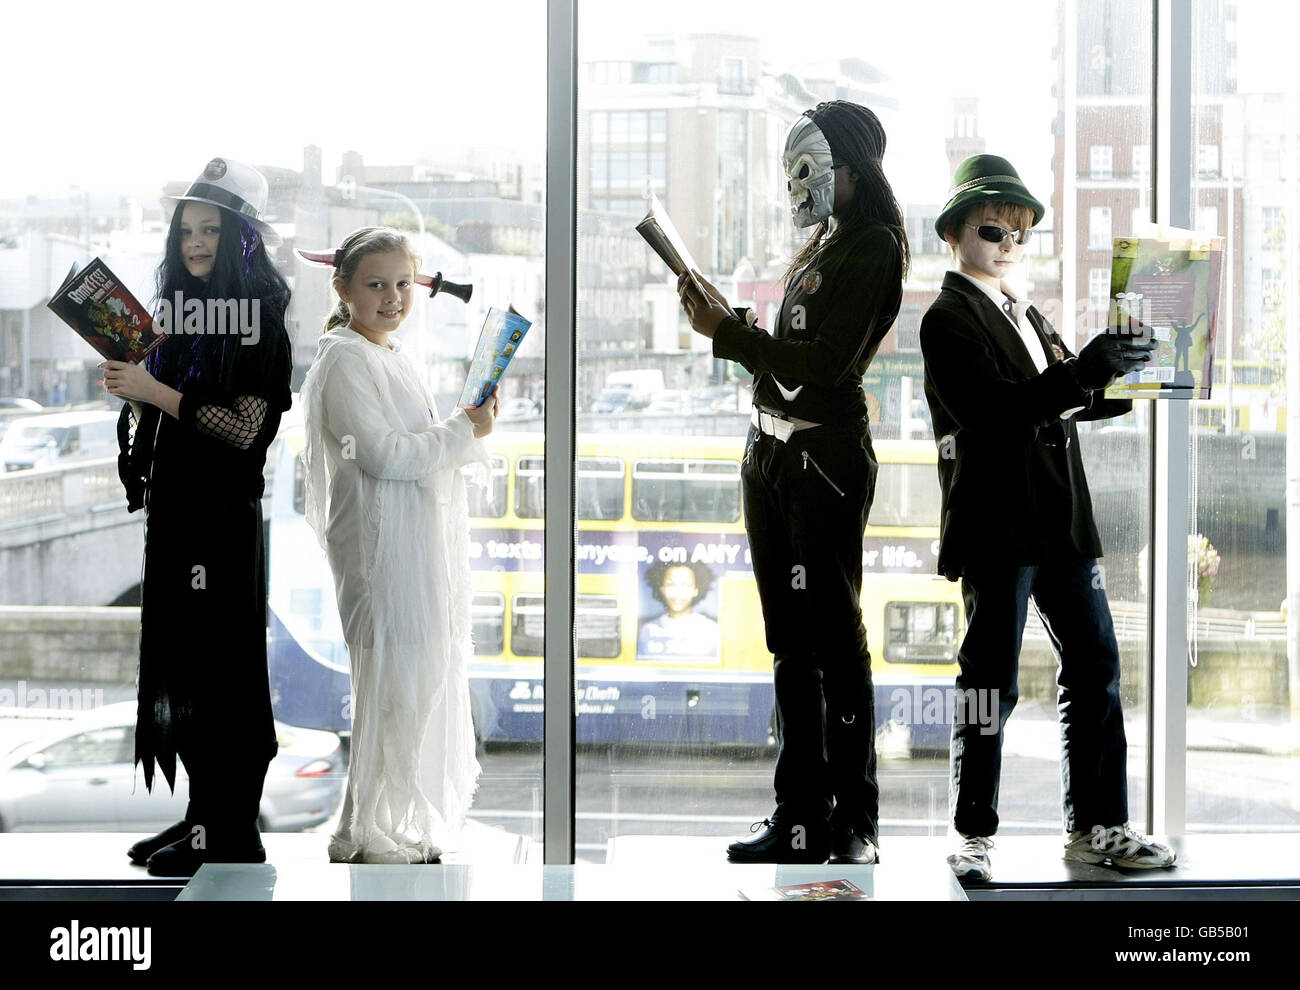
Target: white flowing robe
<point>385,495</point>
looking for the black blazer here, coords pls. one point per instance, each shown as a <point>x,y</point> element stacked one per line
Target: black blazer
<point>1011,477</point>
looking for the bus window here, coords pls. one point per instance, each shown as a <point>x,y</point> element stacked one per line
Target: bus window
<point>1247,374</point>
<point>600,488</point>
<point>530,483</point>
<point>597,621</point>
<point>906,495</point>
<point>686,491</point>
<point>489,502</point>
<point>489,629</point>
<point>598,625</point>
<point>920,632</point>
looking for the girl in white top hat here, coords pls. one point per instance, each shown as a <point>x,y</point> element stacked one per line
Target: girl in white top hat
<point>201,411</point>
<point>385,495</point>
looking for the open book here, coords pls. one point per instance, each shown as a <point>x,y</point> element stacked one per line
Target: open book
<point>498,342</point>
<point>96,304</point>
<point>658,230</point>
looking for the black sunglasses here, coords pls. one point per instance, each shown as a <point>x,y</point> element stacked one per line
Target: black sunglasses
<point>996,235</point>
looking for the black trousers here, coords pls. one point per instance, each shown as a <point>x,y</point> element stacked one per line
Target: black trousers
<point>806,504</point>
<point>1071,600</point>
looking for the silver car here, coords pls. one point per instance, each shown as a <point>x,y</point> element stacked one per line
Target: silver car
<point>81,776</point>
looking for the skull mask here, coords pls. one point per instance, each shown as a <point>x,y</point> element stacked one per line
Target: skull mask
<point>810,173</point>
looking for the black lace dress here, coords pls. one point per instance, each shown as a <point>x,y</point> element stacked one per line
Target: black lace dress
<point>203,689</point>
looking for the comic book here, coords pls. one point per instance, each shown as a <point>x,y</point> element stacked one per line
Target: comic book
<point>498,342</point>
<point>1168,285</point>
<point>820,890</point>
<point>96,304</point>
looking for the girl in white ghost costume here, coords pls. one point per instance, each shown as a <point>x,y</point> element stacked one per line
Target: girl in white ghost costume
<point>385,496</point>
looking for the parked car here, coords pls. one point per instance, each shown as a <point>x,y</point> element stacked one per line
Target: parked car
<point>81,776</point>
<point>14,407</point>
<point>519,408</point>
<point>613,399</point>
<point>641,385</point>
<point>672,402</point>
<point>8,402</point>
<point>58,438</point>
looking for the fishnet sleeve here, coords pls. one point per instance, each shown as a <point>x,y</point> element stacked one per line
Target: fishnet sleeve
<point>237,424</point>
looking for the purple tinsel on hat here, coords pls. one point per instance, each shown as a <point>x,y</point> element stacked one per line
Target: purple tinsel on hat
<point>248,239</point>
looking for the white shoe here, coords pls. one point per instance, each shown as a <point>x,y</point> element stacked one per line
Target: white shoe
<point>343,851</point>
<point>1119,845</point>
<point>388,851</point>
<point>971,860</point>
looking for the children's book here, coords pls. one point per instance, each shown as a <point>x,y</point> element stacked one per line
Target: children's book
<point>96,304</point>
<point>1167,285</point>
<point>498,342</point>
<point>819,890</point>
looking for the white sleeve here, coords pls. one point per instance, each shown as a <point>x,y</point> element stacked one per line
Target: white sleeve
<point>354,416</point>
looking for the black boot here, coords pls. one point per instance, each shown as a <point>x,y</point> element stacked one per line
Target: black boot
<point>183,858</point>
<point>140,852</point>
<point>784,840</point>
<point>853,845</point>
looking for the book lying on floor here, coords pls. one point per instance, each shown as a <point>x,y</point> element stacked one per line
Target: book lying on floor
<point>819,890</point>
<point>96,304</point>
<point>498,342</point>
<point>1167,284</point>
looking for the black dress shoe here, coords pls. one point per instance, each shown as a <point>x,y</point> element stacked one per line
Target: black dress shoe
<point>850,846</point>
<point>782,841</point>
<point>140,852</point>
<point>181,859</point>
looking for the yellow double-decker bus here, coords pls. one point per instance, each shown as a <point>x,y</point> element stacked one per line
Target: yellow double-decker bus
<point>668,628</point>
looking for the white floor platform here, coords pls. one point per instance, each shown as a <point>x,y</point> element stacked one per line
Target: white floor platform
<point>492,864</point>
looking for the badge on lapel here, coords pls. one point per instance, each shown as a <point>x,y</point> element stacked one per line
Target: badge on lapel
<point>811,282</point>
<point>1060,354</point>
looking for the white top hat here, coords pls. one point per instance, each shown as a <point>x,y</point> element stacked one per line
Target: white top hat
<point>234,186</point>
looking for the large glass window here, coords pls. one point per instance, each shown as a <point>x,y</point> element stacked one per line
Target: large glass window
<point>664,759</point>
<point>457,163</point>
<point>1242,684</point>
<point>676,736</point>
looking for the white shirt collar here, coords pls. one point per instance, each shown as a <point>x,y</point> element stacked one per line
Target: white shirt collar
<point>1020,306</point>
<point>997,295</point>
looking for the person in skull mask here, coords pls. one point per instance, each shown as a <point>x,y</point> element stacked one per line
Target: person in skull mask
<point>808,478</point>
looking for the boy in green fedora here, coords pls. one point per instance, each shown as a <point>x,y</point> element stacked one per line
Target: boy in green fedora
<point>1016,523</point>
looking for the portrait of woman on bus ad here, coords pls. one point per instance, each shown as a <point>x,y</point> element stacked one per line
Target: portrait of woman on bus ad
<point>673,625</point>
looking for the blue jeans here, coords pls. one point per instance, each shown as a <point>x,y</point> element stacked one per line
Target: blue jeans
<point>1072,603</point>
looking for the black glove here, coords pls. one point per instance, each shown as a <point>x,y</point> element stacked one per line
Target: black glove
<point>1109,355</point>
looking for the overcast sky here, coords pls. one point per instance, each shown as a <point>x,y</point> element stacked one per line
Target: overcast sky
<point>92,105</point>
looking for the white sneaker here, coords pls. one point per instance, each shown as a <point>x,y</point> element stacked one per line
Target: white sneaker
<point>1119,845</point>
<point>971,860</point>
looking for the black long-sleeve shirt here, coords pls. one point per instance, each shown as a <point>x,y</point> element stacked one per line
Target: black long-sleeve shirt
<point>833,317</point>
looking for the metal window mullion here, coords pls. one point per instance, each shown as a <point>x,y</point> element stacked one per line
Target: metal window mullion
<point>1170,448</point>
<point>558,787</point>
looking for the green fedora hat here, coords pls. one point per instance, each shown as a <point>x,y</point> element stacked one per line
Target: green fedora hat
<point>982,177</point>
